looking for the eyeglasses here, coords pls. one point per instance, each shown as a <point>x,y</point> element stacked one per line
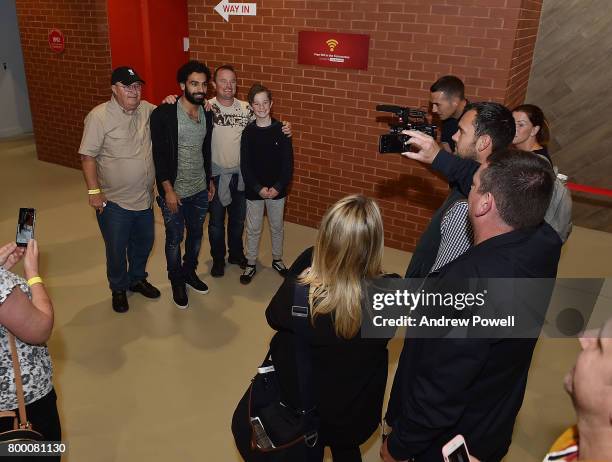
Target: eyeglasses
<point>134,88</point>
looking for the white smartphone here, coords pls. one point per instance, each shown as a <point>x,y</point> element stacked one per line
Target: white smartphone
<point>456,450</point>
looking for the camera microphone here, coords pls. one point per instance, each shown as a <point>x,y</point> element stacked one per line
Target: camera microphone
<point>388,108</point>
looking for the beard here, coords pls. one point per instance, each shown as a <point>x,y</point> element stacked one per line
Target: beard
<point>194,98</point>
<point>467,152</point>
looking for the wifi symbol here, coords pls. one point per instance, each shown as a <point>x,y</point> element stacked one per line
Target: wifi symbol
<point>332,44</point>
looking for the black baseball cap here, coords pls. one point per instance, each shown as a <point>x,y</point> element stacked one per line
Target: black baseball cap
<point>125,75</point>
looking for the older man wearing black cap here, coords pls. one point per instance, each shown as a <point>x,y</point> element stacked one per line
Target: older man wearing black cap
<point>118,168</point>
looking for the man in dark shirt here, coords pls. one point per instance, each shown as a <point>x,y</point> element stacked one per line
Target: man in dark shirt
<point>469,386</point>
<point>483,128</point>
<point>448,101</point>
<point>181,135</point>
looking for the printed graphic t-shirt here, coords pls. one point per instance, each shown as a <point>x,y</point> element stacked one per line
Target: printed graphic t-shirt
<point>229,122</point>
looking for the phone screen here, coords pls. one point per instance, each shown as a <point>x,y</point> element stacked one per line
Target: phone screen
<point>459,455</point>
<point>25,226</point>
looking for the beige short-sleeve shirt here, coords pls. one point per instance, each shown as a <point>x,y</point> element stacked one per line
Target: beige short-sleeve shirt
<point>229,122</point>
<point>121,144</point>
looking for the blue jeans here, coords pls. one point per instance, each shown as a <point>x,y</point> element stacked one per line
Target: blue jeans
<point>236,212</point>
<point>126,233</point>
<point>191,215</point>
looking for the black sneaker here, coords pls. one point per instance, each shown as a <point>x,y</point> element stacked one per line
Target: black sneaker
<point>193,281</point>
<point>145,288</point>
<point>218,268</point>
<point>179,295</point>
<point>241,261</point>
<point>248,274</point>
<point>120,303</point>
<point>280,267</point>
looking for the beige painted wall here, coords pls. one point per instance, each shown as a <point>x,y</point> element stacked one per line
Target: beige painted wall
<point>570,80</point>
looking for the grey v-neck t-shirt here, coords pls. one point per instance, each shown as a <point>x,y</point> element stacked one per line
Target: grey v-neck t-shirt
<point>190,175</point>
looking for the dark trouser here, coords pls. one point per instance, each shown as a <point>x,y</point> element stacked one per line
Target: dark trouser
<point>126,232</point>
<point>190,215</point>
<point>44,418</point>
<point>346,454</point>
<point>300,453</point>
<point>236,212</point>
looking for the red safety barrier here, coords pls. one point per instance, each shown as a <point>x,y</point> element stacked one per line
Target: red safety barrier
<point>589,189</point>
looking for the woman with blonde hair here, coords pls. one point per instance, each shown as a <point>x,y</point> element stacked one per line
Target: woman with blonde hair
<point>349,372</point>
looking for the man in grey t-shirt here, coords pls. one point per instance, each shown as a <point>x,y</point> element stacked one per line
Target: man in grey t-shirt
<point>181,134</point>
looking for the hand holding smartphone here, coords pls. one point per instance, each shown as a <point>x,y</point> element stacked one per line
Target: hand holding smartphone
<point>25,226</point>
<point>456,450</point>
<point>10,254</point>
<point>30,259</point>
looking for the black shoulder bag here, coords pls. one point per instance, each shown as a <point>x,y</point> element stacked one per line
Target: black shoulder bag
<point>273,428</point>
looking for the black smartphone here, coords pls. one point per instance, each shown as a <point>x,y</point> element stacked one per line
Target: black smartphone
<point>25,226</point>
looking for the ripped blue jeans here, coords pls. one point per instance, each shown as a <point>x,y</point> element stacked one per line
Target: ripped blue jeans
<point>190,216</point>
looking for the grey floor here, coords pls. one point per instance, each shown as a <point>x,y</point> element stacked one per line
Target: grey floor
<point>159,384</point>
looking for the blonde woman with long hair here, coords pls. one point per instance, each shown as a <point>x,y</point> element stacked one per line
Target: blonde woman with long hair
<point>350,372</point>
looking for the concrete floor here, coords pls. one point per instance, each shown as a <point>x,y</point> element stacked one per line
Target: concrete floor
<point>159,384</point>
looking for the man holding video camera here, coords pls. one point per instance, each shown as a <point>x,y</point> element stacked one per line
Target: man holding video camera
<point>483,128</point>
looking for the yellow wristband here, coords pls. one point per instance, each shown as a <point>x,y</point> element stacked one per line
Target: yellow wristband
<point>91,192</point>
<point>35,280</point>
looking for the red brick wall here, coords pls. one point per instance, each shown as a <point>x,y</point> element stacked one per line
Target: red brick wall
<point>488,43</point>
<point>522,55</point>
<point>333,111</point>
<point>64,87</point>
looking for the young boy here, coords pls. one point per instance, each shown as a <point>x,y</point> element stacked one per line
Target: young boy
<point>266,162</point>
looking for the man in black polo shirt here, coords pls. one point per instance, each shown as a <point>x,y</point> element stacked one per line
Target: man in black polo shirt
<point>448,101</point>
<point>475,386</point>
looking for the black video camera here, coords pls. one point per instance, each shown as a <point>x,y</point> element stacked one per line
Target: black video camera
<point>409,119</point>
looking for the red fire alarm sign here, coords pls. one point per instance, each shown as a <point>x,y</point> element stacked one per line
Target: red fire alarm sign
<point>56,40</point>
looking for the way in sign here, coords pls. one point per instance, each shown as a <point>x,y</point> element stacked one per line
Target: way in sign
<point>227,9</point>
<point>237,8</point>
